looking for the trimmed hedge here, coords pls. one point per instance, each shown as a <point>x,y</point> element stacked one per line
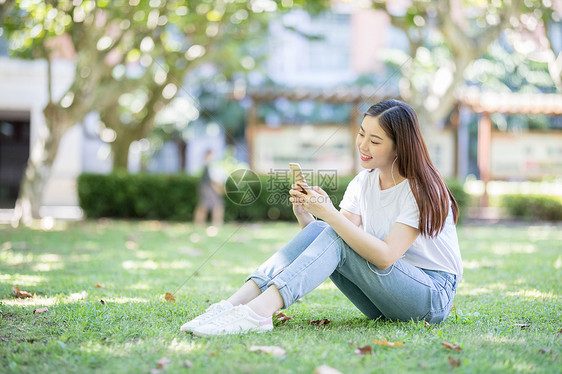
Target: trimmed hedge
<point>462,198</point>
<point>174,197</point>
<point>273,201</point>
<point>123,195</point>
<point>539,207</point>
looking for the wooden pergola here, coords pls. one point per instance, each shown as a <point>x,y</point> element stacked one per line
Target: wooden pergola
<point>507,103</point>
<point>354,96</point>
<point>483,103</point>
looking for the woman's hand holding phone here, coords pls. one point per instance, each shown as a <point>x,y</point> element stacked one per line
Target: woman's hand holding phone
<point>299,189</point>
<point>315,203</point>
<point>296,191</point>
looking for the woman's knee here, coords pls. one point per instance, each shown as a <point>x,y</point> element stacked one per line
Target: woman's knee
<point>323,228</point>
<point>329,230</point>
<point>316,225</point>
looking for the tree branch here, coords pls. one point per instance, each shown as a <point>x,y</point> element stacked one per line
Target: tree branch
<point>49,78</point>
<point>5,9</point>
<point>555,63</point>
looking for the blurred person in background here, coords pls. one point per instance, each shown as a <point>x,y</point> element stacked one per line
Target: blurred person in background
<point>211,191</point>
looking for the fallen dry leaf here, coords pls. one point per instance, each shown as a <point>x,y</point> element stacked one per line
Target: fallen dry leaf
<point>320,322</point>
<point>522,325</point>
<point>387,343</point>
<point>365,350</point>
<point>282,317</point>
<point>270,349</point>
<point>559,332</point>
<point>325,369</point>
<point>21,294</point>
<point>40,310</point>
<point>188,364</point>
<point>99,286</point>
<point>162,363</point>
<point>451,346</point>
<point>214,353</point>
<point>454,363</point>
<point>169,297</point>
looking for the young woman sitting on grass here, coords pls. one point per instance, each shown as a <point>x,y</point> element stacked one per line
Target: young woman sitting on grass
<point>392,248</point>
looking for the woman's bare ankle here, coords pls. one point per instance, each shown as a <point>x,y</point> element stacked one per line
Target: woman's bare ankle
<point>267,303</point>
<point>245,294</point>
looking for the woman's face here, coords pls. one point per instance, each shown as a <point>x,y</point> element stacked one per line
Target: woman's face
<point>376,149</point>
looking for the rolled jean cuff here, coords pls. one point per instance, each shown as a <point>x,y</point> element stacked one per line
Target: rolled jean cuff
<point>264,283</point>
<point>259,280</point>
<point>287,295</point>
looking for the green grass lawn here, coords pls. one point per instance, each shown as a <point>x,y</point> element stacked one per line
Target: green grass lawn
<point>513,275</point>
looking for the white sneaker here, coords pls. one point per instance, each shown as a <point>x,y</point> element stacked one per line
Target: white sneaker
<point>239,320</point>
<point>212,312</point>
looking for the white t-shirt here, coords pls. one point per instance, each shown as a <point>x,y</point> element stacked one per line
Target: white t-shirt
<point>381,209</point>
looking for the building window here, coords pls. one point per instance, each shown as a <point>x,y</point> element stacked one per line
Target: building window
<point>322,59</point>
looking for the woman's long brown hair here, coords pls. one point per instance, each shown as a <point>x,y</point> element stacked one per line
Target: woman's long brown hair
<point>400,123</point>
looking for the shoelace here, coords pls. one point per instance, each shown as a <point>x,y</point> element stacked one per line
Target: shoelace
<point>212,311</point>
<point>232,316</point>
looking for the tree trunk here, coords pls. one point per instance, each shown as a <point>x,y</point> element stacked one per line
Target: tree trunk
<point>125,134</point>
<point>5,8</point>
<point>39,166</point>
<point>182,147</point>
<point>120,151</point>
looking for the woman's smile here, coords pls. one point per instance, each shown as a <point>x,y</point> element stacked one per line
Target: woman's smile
<point>364,157</point>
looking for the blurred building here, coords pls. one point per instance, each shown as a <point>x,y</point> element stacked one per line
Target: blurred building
<point>323,85</point>
<point>23,95</point>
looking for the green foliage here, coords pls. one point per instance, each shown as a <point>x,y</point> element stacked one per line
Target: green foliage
<point>537,207</point>
<point>131,57</point>
<point>445,43</point>
<point>504,69</point>
<point>273,201</point>
<point>460,195</point>
<point>174,197</point>
<point>171,197</point>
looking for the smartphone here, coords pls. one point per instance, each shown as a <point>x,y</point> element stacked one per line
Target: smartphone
<point>298,175</point>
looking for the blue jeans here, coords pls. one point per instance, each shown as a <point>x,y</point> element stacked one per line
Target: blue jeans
<point>402,292</point>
